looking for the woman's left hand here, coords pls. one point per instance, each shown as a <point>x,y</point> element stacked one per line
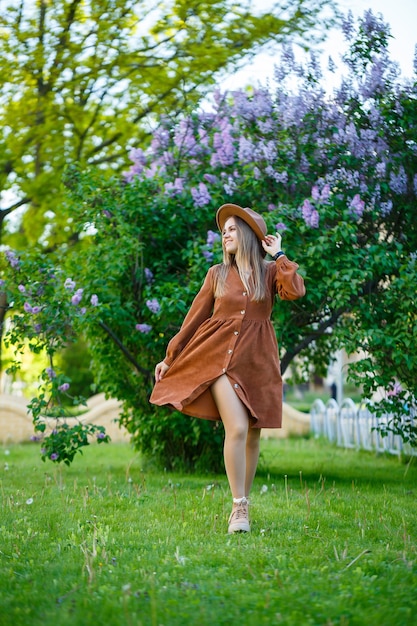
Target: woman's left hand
<point>272,244</point>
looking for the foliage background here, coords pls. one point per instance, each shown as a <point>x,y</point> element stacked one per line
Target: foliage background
<point>336,175</point>
<point>82,80</point>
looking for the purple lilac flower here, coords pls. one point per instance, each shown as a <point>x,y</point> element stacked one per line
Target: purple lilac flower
<point>266,126</point>
<point>64,387</point>
<point>246,150</point>
<point>203,137</point>
<point>304,164</point>
<point>325,193</point>
<point>210,178</point>
<point>358,205</point>
<point>208,255</point>
<point>314,219</point>
<point>51,372</point>
<point>82,311</point>
<point>315,192</point>
<point>395,389</point>
<point>224,150</point>
<point>153,305</point>
<point>148,275</point>
<point>168,158</point>
<point>386,208</point>
<point>12,258</point>
<point>138,157</point>
<point>287,56</point>
<point>34,438</point>
<point>375,80</point>
<point>27,307</point>
<point>160,139</point>
<point>54,456</point>
<point>307,210</point>
<point>261,103</point>
<point>175,188</point>
<point>348,26</point>
<point>101,435</point>
<point>143,328</point>
<point>242,106</point>
<point>380,169</point>
<point>94,299</point>
<point>38,328</point>
<point>129,174</point>
<point>398,182</point>
<point>36,309</point>
<point>280,227</point>
<point>268,151</point>
<point>200,195</point>
<point>184,138</point>
<point>310,214</point>
<point>314,68</point>
<point>179,184</point>
<point>279,177</point>
<point>76,298</point>
<point>169,189</point>
<point>280,72</point>
<point>271,207</point>
<point>69,284</point>
<point>2,282</point>
<point>230,186</point>
<point>22,288</point>
<point>212,237</point>
<point>373,26</point>
<point>331,65</point>
<point>257,174</point>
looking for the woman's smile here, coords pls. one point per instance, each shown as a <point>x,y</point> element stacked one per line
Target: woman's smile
<point>230,240</point>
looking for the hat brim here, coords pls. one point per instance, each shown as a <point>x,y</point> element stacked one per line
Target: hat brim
<point>231,210</point>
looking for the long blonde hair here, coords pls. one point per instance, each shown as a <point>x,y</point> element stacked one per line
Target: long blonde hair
<point>248,261</point>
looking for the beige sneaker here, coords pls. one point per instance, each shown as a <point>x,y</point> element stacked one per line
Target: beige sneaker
<point>239,518</point>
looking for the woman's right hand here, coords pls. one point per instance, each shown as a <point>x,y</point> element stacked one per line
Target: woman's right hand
<point>160,371</point>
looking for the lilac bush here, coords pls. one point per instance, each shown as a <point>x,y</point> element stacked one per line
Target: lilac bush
<point>46,323</point>
<point>336,174</point>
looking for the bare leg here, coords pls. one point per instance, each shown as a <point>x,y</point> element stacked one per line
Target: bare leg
<point>252,457</point>
<point>236,425</point>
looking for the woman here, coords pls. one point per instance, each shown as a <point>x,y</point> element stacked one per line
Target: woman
<point>223,363</point>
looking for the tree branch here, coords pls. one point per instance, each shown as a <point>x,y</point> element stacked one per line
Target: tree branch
<point>5,212</point>
<point>125,351</point>
<point>368,287</point>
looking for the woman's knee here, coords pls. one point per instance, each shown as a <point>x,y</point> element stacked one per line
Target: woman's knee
<point>236,431</point>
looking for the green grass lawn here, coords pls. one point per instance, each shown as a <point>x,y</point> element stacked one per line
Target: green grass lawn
<point>110,542</point>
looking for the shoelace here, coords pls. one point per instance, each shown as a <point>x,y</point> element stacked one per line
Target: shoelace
<point>239,513</point>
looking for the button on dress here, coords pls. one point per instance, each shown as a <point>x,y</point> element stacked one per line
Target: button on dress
<point>230,335</point>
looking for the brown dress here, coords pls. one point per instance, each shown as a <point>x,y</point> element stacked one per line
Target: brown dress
<point>231,335</point>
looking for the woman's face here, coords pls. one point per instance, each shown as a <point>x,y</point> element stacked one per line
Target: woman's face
<point>230,237</point>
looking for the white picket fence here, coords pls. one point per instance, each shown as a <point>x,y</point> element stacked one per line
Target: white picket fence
<point>352,426</point>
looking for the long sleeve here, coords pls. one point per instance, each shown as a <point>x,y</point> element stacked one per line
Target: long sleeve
<point>289,284</point>
<point>200,310</point>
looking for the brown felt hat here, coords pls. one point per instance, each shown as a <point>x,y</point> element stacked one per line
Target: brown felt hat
<point>253,219</point>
